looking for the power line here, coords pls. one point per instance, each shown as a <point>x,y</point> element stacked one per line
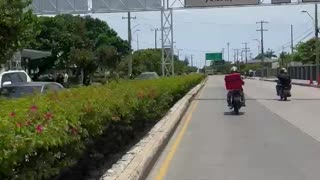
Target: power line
<point>287,44</point>
<point>302,39</point>
<point>262,30</point>
<point>213,23</point>
<point>246,50</point>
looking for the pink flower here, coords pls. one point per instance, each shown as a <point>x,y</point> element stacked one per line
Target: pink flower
<point>48,116</point>
<point>34,108</point>
<point>12,114</point>
<point>74,131</point>
<point>140,95</point>
<point>18,125</point>
<point>39,128</point>
<point>88,109</point>
<point>115,118</point>
<point>28,123</point>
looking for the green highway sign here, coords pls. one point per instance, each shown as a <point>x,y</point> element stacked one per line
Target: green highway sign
<point>214,56</point>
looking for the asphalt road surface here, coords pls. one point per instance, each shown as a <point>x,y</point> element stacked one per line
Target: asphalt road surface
<point>270,140</point>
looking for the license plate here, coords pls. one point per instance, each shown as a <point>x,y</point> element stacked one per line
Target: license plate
<point>237,98</point>
<point>286,91</point>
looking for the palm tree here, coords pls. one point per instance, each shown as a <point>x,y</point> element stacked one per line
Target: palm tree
<point>270,54</point>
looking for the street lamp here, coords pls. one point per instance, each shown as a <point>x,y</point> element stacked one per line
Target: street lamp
<point>315,19</point>
<point>137,30</point>
<point>136,26</point>
<point>304,11</point>
<point>259,44</point>
<point>155,37</point>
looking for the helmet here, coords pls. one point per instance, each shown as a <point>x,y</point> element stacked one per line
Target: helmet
<point>234,69</point>
<point>283,70</point>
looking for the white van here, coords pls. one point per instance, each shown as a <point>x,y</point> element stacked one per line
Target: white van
<point>13,76</point>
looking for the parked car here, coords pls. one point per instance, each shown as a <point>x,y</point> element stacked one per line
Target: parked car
<point>18,90</point>
<point>13,76</point>
<point>148,75</point>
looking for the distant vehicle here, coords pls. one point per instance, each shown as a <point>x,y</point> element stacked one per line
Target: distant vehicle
<point>148,75</point>
<point>13,76</point>
<point>18,90</point>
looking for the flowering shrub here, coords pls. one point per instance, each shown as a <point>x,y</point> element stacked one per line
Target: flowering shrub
<point>41,136</point>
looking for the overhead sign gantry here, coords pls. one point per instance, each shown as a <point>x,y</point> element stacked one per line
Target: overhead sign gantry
<point>165,6</point>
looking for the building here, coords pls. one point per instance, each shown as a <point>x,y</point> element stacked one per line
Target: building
<point>26,55</point>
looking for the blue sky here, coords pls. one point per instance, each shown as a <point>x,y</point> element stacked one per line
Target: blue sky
<point>197,31</point>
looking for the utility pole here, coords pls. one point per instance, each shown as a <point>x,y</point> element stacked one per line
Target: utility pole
<point>228,44</point>
<point>137,41</point>
<point>130,42</point>
<point>236,57</point>
<point>291,39</point>
<point>262,43</point>
<point>238,64</point>
<point>179,53</point>
<point>222,53</point>
<point>191,60</point>
<point>241,59</point>
<point>317,43</point>
<point>155,37</point>
<point>246,49</point>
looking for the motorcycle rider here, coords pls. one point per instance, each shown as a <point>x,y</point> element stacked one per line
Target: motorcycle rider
<point>234,70</point>
<point>283,80</point>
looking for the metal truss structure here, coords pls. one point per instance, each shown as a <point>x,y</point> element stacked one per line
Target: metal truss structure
<point>60,6</point>
<point>167,37</point>
<point>125,5</point>
<point>111,6</point>
<point>167,42</point>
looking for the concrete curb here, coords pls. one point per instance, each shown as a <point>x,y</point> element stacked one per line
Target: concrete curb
<point>294,83</point>
<point>137,163</point>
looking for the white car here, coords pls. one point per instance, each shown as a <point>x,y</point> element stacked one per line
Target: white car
<point>13,76</point>
<point>148,75</point>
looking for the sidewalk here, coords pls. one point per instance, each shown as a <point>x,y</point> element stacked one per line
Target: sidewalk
<point>294,82</point>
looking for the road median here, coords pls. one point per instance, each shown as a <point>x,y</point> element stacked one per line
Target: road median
<point>137,162</point>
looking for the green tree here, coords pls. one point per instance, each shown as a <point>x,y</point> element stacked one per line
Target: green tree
<point>107,57</point>
<point>306,52</point>
<point>268,54</point>
<point>62,33</point>
<point>15,27</point>
<point>150,60</point>
<point>186,61</point>
<point>284,59</point>
<point>84,60</point>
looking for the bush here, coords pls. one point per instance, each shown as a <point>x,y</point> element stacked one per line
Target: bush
<point>42,136</point>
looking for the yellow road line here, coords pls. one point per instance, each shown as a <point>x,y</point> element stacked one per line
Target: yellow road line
<point>165,165</point>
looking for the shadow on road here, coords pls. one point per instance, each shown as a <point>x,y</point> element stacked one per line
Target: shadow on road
<point>231,113</point>
<point>288,100</point>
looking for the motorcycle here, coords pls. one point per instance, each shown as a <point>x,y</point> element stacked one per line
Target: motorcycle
<point>285,92</point>
<point>236,101</point>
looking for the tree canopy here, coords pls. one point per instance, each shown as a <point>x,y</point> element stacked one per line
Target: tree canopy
<point>149,60</point>
<point>17,27</point>
<point>63,33</point>
<point>306,52</point>
<point>268,54</point>
<point>74,41</point>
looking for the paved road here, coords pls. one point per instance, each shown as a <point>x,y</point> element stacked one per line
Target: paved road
<point>271,140</point>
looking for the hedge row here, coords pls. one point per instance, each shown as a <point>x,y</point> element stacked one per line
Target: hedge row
<point>41,136</point>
